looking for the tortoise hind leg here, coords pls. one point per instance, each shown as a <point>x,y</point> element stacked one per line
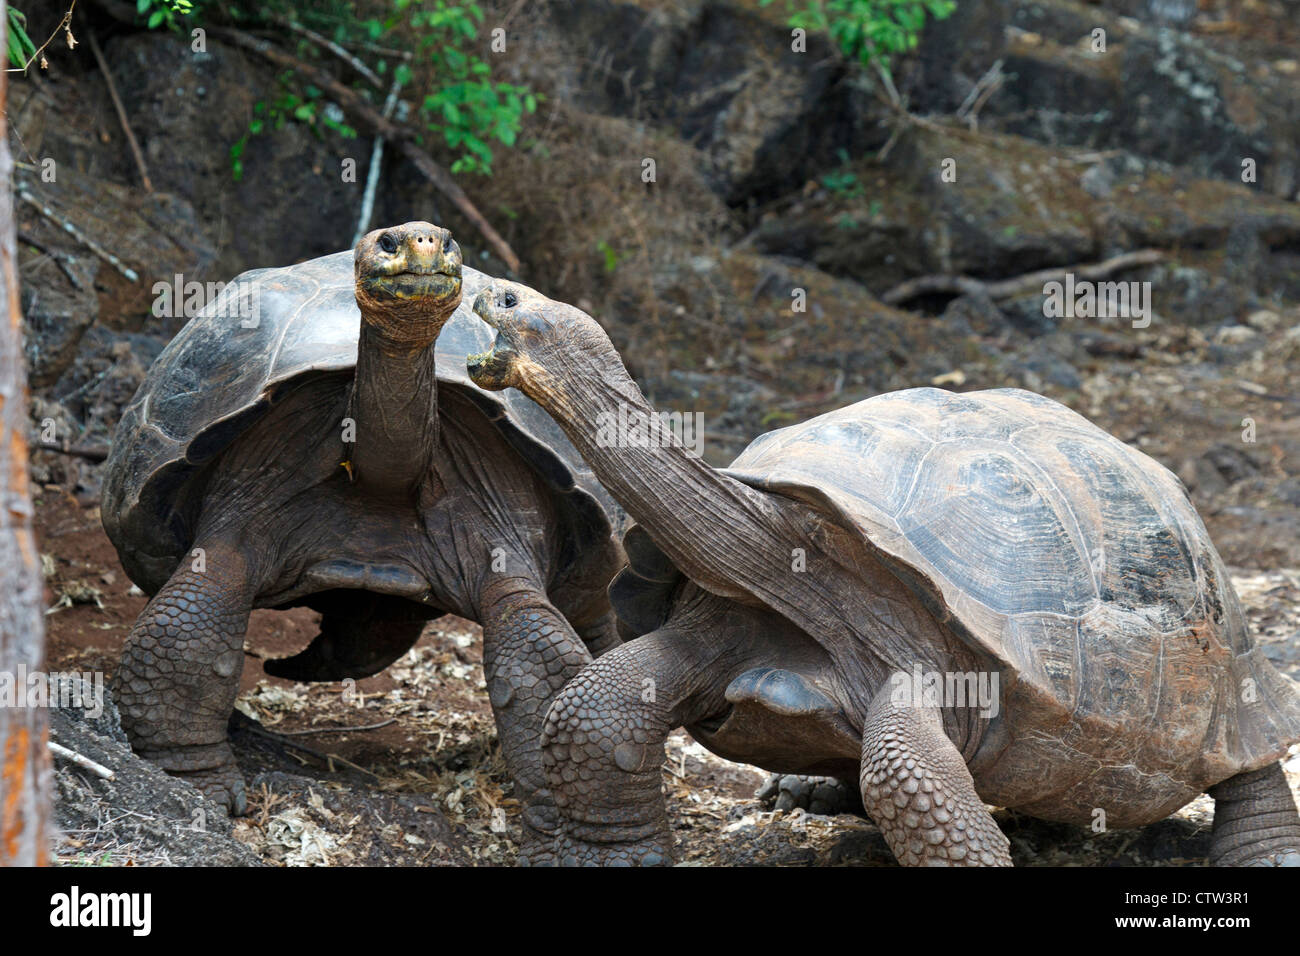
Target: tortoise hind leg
<point>1255,820</point>
<point>176,684</point>
<point>918,790</point>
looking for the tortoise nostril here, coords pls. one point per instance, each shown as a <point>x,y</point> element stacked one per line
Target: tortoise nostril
<point>388,243</point>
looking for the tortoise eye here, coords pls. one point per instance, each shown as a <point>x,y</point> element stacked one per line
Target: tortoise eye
<point>447,243</point>
<point>509,300</point>
<point>388,243</point>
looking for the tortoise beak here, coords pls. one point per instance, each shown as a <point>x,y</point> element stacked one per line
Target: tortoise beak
<point>483,308</point>
<point>491,370</point>
<point>476,363</point>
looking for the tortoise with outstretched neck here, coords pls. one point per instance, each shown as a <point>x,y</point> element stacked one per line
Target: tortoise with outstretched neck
<point>311,438</point>
<point>960,599</point>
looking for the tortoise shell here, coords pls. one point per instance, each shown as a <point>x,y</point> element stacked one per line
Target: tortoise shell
<point>1073,561</point>
<point>254,343</point>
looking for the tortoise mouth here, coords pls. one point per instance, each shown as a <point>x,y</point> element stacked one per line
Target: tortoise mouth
<point>436,285</point>
<point>490,369</point>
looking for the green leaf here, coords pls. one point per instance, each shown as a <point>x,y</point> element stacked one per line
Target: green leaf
<point>15,52</point>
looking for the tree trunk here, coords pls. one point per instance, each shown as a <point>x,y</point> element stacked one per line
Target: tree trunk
<point>24,755</point>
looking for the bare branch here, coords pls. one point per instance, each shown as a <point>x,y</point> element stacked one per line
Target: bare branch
<point>121,111</point>
<point>369,117</point>
<point>85,763</point>
<point>1020,285</point>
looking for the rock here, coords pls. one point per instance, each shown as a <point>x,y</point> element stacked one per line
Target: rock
<point>188,109</point>
<point>1259,536</point>
<point>725,77</point>
<point>1235,335</point>
<point>1098,181</point>
<point>1288,491</point>
<point>953,54</point>
<point>1221,467</point>
<point>1155,90</point>
<point>57,310</point>
<point>1264,320</point>
<point>143,817</point>
<point>975,313</point>
<point>823,796</point>
<point>1014,207</point>
<point>1049,360</point>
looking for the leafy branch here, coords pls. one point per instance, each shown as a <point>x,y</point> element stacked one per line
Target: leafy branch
<point>22,51</point>
<point>869,32</point>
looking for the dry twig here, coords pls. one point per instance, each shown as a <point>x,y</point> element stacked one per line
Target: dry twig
<point>66,26</point>
<point>85,763</point>
<point>327,44</point>
<point>376,163</point>
<point>1020,285</point>
<point>336,730</point>
<point>88,452</point>
<point>121,111</point>
<point>26,196</point>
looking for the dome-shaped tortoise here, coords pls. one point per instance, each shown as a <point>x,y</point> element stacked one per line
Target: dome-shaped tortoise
<point>311,438</point>
<point>963,599</point>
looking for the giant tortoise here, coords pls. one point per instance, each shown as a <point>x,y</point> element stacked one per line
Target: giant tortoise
<point>965,599</point>
<point>298,443</point>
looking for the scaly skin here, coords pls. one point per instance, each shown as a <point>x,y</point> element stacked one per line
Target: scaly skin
<point>603,748</point>
<point>179,675</point>
<point>917,789</point>
<point>529,653</point>
<point>1255,821</point>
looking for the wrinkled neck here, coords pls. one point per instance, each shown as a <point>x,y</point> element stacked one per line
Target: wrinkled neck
<point>693,512</point>
<point>394,414</point>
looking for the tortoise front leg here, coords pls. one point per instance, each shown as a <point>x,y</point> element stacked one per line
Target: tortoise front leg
<point>179,675</point>
<point>918,790</point>
<point>530,651</point>
<point>604,747</point>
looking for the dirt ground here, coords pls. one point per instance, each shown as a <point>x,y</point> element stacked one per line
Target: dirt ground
<point>420,778</point>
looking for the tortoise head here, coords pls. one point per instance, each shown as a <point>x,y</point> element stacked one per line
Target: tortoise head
<point>538,339</point>
<point>408,281</point>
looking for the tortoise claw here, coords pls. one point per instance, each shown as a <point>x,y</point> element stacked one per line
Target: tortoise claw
<point>224,786</point>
